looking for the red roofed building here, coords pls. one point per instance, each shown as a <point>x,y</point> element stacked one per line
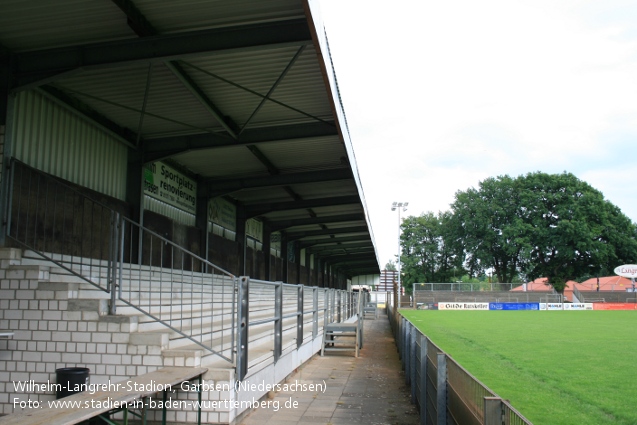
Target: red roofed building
<point>606,283</point>
<point>540,285</point>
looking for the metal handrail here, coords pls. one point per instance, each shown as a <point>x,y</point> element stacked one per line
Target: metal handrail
<point>270,297</point>
<point>63,225</point>
<point>145,271</point>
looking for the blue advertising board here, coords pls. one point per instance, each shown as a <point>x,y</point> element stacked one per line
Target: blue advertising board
<point>514,306</point>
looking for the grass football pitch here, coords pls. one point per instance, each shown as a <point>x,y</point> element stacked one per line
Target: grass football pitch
<point>556,367</point>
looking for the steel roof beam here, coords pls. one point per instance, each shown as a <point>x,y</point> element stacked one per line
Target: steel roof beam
<point>290,236</point>
<point>340,247</point>
<point>361,259</point>
<point>226,122</point>
<point>335,240</point>
<point>42,66</point>
<point>285,224</point>
<point>274,86</point>
<point>261,209</point>
<point>143,28</point>
<point>157,149</point>
<point>225,186</point>
<point>340,254</point>
<point>357,271</point>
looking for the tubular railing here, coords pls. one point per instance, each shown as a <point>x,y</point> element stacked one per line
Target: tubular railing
<point>444,391</point>
<point>145,271</point>
<point>291,312</point>
<point>183,291</point>
<point>138,267</point>
<point>465,287</point>
<point>577,294</point>
<point>429,297</point>
<point>61,224</point>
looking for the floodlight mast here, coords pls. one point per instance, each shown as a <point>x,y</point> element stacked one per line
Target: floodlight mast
<point>398,206</point>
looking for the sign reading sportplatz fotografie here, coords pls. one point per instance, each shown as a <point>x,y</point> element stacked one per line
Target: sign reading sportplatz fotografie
<point>170,186</point>
<point>627,270</point>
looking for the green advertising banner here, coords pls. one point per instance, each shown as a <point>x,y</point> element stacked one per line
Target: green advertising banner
<point>223,213</point>
<point>168,185</point>
<point>254,229</point>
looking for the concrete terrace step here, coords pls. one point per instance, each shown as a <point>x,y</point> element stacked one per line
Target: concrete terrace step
<point>208,302</point>
<point>81,264</point>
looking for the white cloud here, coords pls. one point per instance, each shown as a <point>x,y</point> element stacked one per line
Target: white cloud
<point>440,95</point>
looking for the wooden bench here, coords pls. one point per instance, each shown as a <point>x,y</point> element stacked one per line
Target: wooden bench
<point>98,403</point>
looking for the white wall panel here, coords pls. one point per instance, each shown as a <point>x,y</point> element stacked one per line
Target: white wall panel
<point>57,141</point>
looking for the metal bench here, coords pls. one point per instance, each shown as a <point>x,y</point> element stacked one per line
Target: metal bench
<point>345,336</point>
<point>370,309</point>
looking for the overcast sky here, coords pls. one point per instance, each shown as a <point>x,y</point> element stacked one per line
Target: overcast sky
<point>440,95</point>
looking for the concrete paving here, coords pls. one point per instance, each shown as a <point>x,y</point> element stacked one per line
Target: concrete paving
<point>369,389</point>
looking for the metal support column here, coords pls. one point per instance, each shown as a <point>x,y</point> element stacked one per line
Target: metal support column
<point>242,328</point>
<point>299,317</point>
<point>315,313</point>
<point>278,321</point>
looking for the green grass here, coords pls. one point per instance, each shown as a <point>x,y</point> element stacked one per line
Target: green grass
<point>556,367</point>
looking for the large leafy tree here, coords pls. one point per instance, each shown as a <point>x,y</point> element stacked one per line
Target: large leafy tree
<point>488,227</point>
<point>428,252</point>
<point>543,225</point>
<point>570,229</point>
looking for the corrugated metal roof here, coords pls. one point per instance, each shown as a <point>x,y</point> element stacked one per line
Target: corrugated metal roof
<point>205,110</point>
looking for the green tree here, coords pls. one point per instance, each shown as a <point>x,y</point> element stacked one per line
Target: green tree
<point>488,227</point>
<point>428,253</point>
<point>541,225</point>
<point>571,230</point>
<point>390,265</point>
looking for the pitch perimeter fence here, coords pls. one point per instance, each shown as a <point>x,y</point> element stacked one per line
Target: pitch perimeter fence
<point>444,392</point>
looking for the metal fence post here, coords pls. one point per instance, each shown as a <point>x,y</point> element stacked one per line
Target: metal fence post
<point>423,380</point>
<point>314,312</point>
<point>401,353</point>
<point>493,411</point>
<point>441,401</point>
<point>242,328</point>
<point>407,355</point>
<point>326,308</point>
<point>278,320</point>
<point>299,317</point>
<point>332,301</point>
<point>112,269</point>
<point>339,306</point>
<point>412,362</point>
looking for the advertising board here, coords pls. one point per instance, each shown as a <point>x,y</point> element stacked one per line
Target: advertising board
<point>626,270</point>
<point>170,186</point>
<point>463,306</point>
<point>551,306</point>
<point>578,306</point>
<point>223,213</point>
<point>514,306</point>
<point>614,306</point>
